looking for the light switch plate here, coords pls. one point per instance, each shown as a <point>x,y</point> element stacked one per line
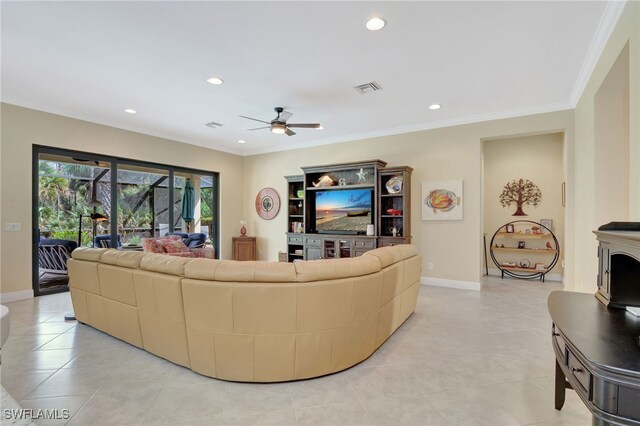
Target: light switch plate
<point>13,227</point>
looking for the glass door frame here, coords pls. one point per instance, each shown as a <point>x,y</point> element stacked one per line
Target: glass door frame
<point>114,162</point>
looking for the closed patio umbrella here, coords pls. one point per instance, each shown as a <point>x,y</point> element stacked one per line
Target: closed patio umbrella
<point>187,203</point>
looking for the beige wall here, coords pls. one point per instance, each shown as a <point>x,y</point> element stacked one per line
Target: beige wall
<point>538,158</point>
<point>586,211</point>
<point>453,247</point>
<point>22,128</point>
<point>611,140</point>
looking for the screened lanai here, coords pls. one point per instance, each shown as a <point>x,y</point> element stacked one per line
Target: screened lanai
<point>79,204</point>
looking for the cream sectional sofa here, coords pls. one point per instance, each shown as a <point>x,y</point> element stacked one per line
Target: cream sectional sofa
<point>248,321</point>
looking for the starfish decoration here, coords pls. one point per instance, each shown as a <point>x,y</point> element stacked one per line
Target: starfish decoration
<point>362,176</point>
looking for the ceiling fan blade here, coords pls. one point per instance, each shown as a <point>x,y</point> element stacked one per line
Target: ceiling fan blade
<point>305,125</point>
<point>284,116</point>
<point>259,128</point>
<point>255,119</point>
<point>289,132</point>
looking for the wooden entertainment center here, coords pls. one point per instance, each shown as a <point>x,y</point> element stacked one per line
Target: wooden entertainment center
<point>370,193</point>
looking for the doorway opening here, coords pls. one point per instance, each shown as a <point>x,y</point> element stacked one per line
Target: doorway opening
<point>523,206</point>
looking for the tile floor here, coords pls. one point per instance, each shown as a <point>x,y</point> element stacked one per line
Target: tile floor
<point>463,358</point>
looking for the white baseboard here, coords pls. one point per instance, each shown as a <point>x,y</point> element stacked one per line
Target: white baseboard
<point>547,277</point>
<point>16,295</point>
<point>441,282</point>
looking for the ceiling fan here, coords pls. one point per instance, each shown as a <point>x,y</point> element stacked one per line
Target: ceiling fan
<point>279,124</point>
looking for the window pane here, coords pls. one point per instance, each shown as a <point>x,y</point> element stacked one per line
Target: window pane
<point>142,203</point>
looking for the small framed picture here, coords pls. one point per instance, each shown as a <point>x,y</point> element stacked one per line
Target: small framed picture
<point>509,228</point>
<point>548,224</point>
<point>521,244</point>
<point>540,267</point>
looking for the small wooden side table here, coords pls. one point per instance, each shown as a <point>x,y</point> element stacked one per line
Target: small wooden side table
<point>244,248</point>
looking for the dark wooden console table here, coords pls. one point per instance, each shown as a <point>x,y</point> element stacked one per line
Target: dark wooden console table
<point>598,356</point>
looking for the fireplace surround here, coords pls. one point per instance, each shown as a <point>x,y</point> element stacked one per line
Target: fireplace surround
<point>619,264</point>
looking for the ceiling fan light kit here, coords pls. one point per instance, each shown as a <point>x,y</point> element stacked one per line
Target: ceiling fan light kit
<point>279,124</point>
<point>278,128</point>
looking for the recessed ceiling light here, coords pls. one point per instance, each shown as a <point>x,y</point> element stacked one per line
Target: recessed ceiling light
<point>130,111</point>
<point>215,80</point>
<point>435,106</point>
<point>375,24</point>
<point>242,141</point>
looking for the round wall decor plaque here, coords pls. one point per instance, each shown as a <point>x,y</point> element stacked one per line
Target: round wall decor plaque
<point>267,203</point>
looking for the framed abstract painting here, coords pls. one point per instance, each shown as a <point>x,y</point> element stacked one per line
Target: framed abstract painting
<point>442,200</point>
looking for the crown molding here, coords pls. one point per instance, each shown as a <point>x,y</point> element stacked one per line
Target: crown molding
<point>603,32</point>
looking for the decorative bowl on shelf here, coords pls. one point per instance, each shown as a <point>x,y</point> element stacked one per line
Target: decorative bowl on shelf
<point>394,212</point>
<point>394,185</point>
<point>300,193</point>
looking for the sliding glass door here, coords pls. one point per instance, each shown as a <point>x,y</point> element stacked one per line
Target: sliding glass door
<point>90,200</point>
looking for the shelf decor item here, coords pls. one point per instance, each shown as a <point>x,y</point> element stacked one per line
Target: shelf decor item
<point>323,182</point>
<point>243,229</point>
<point>394,185</point>
<point>267,203</point>
<point>362,175</point>
<point>547,225</point>
<point>520,192</point>
<point>442,200</point>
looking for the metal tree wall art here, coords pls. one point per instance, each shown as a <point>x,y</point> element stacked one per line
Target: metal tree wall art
<point>520,192</point>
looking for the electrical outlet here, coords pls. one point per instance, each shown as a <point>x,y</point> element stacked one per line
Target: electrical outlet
<point>13,227</point>
<point>430,266</point>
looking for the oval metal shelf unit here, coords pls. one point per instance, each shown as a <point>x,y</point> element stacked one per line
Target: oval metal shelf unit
<point>516,271</point>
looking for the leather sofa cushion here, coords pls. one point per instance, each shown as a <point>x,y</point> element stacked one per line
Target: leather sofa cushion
<point>390,255</point>
<point>172,265</point>
<point>331,269</point>
<point>236,271</point>
<point>126,259</point>
<point>86,253</point>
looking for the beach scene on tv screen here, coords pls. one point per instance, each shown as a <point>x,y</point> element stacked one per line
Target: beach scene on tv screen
<point>343,210</point>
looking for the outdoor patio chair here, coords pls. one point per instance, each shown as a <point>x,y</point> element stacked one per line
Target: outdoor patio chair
<point>104,241</point>
<point>53,254</point>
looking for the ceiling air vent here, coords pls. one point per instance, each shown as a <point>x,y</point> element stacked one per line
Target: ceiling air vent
<point>213,124</point>
<point>368,87</point>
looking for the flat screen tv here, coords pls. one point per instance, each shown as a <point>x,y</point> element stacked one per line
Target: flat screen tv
<point>344,210</point>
